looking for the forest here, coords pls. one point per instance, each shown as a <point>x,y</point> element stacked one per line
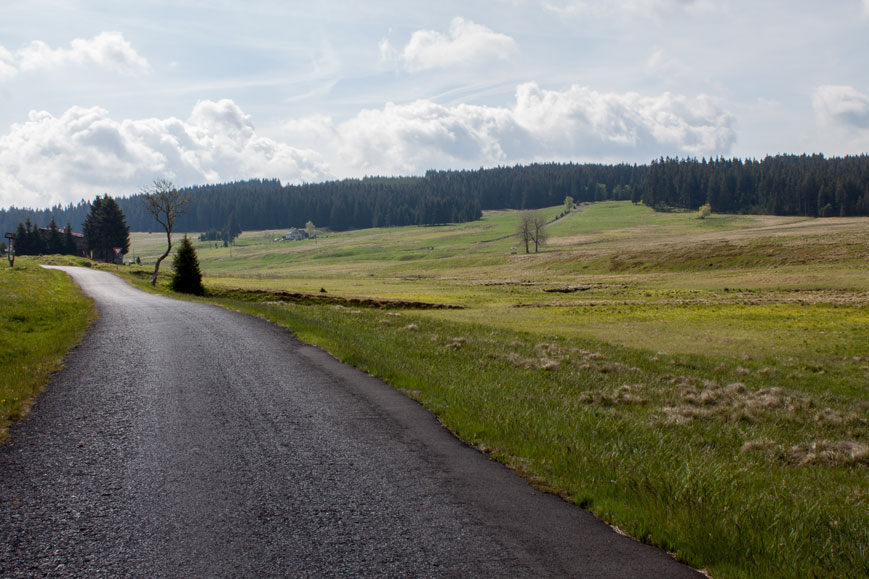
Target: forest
<point>810,185</point>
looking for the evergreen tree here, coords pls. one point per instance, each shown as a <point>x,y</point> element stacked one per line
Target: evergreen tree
<point>105,228</point>
<point>54,244</point>
<point>21,238</point>
<point>69,247</point>
<point>187,278</point>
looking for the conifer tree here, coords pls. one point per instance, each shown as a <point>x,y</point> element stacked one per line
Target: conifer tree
<point>105,228</point>
<point>54,243</point>
<point>69,247</point>
<point>187,277</point>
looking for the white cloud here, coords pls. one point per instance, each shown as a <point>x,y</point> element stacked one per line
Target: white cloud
<point>85,152</point>
<point>7,65</point>
<point>865,8</point>
<point>841,105</point>
<point>467,44</point>
<point>576,124</point>
<point>107,50</point>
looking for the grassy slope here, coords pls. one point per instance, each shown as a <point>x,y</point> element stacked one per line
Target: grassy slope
<point>42,315</point>
<point>702,384</point>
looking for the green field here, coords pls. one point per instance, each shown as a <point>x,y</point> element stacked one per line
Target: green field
<point>701,384</point>
<point>42,315</point>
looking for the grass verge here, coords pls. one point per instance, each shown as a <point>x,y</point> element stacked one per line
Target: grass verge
<point>42,315</point>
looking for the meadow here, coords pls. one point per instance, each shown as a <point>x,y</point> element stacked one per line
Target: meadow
<point>42,315</point>
<point>699,384</point>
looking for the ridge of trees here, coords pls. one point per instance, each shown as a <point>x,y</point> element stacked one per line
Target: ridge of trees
<point>811,185</point>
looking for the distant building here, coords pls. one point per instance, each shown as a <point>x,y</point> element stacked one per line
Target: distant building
<point>296,235</point>
<point>77,238</point>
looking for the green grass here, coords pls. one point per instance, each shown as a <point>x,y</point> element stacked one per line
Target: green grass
<point>42,315</point>
<point>699,383</point>
<point>709,463</point>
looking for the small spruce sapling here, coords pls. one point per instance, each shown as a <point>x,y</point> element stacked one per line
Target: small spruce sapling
<point>187,277</point>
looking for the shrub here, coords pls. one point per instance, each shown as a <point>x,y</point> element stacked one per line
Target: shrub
<point>187,277</point>
<point>705,211</point>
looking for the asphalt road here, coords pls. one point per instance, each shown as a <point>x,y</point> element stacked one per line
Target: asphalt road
<point>184,440</point>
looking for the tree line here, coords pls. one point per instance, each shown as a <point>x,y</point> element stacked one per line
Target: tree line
<point>781,185</point>
<point>31,240</point>
<point>105,229</point>
<point>809,185</point>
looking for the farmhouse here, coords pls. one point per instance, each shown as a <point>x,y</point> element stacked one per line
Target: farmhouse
<point>77,239</point>
<point>294,234</point>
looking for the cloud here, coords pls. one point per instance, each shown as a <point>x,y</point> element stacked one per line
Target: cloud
<point>84,152</point>
<point>8,69</point>
<point>842,106</point>
<point>467,44</point>
<point>865,4</point>
<point>542,125</point>
<point>107,50</point>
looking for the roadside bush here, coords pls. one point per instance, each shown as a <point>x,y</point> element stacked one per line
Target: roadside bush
<point>187,277</point>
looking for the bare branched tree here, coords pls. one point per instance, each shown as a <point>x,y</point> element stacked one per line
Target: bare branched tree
<point>531,229</point>
<point>525,228</point>
<point>165,203</point>
<point>539,230</point>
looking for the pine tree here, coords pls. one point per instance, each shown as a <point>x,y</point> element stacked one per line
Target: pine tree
<point>22,238</point>
<point>105,228</point>
<point>69,247</point>
<point>54,243</point>
<point>187,277</point>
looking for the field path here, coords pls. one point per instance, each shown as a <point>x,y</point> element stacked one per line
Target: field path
<point>185,440</point>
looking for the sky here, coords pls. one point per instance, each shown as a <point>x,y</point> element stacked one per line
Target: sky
<point>107,96</point>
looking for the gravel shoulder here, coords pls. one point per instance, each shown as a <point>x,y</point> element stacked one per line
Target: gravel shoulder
<point>182,439</point>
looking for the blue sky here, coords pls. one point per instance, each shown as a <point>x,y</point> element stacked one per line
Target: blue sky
<point>105,97</point>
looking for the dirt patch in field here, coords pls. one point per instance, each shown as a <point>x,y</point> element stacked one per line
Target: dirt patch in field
<point>829,297</point>
<point>256,295</point>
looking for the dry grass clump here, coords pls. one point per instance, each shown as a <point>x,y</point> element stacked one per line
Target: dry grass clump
<point>548,364</point>
<point>548,349</point>
<point>457,343</point>
<point>542,363</point>
<point>820,452</point>
<point>393,314</point>
<point>626,394</point>
<point>732,402</point>
<point>411,328</point>
<point>831,417</point>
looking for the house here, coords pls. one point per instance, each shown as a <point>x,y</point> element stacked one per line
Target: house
<point>296,235</point>
<point>78,239</point>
